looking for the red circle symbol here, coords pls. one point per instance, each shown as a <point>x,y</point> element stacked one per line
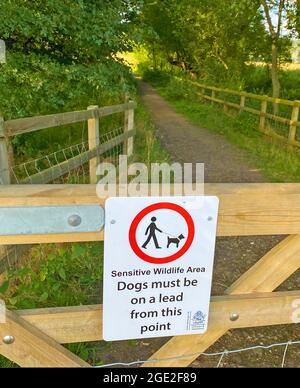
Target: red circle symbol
<point>167,259</point>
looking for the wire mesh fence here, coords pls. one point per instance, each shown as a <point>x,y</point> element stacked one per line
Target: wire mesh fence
<point>218,359</point>
<point>81,175</point>
<point>279,120</point>
<point>10,255</point>
<point>45,280</point>
<point>21,173</point>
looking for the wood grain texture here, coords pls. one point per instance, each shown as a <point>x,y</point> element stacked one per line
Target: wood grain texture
<point>4,156</point>
<point>67,324</point>
<point>31,124</point>
<point>32,347</point>
<point>253,279</point>
<point>84,323</point>
<point>272,270</point>
<point>245,209</point>
<point>94,142</point>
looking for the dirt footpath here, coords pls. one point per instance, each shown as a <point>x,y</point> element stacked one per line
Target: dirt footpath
<point>224,163</point>
<point>187,143</point>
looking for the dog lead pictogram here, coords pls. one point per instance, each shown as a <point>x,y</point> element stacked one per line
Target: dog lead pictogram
<point>151,232</point>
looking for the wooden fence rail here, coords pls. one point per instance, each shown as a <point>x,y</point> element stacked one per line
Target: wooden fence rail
<point>63,168</point>
<point>16,127</point>
<point>245,209</point>
<point>32,124</point>
<point>293,122</point>
<point>10,128</point>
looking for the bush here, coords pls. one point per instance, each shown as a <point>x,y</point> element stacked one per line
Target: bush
<point>35,85</point>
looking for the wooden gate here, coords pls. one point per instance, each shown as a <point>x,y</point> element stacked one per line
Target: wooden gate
<point>245,209</point>
<point>96,149</point>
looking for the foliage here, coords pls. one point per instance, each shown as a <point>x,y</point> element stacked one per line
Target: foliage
<point>71,31</point>
<point>62,57</point>
<point>35,85</point>
<point>256,80</point>
<point>71,274</point>
<point>55,276</point>
<point>147,147</point>
<point>277,162</point>
<point>204,35</point>
<point>212,39</point>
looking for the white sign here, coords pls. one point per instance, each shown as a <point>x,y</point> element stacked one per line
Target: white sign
<point>158,264</point>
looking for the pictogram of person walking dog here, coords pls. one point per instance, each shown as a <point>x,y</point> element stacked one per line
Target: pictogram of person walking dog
<point>151,231</point>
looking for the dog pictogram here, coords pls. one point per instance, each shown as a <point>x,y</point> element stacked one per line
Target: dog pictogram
<point>175,240</point>
<point>151,232</point>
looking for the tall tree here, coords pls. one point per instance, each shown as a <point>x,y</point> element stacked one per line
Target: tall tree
<point>207,36</point>
<point>276,8</point>
<point>70,31</point>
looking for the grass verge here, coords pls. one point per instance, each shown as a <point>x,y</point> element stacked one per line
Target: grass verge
<point>275,160</point>
<point>71,274</point>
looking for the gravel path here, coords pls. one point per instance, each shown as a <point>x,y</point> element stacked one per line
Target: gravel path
<point>224,162</point>
<point>188,143</point>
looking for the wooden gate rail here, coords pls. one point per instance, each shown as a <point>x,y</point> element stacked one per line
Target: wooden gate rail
<point>92,115</point>
<point>84,323</point>
<point>245,209</point>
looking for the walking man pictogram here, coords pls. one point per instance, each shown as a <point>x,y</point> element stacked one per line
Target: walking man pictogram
<point>151,230</point>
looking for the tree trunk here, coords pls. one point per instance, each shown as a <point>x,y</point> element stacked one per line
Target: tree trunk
<point>275,75</point>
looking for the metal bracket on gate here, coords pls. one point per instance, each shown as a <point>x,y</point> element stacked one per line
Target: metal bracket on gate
<point>22,220</point>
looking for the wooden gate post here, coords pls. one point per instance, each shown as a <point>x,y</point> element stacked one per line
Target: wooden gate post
<point>263,111</point>
<point>293,127</point>
<point>128,126</point>
<point>94,141</point>
<point>4,156</point>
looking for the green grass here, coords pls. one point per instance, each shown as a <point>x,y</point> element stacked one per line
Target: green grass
<point>56,275</point>
<point>71,274</point>
<point>258,80</point>
<point>147,146</point>
<point>276,161</point>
